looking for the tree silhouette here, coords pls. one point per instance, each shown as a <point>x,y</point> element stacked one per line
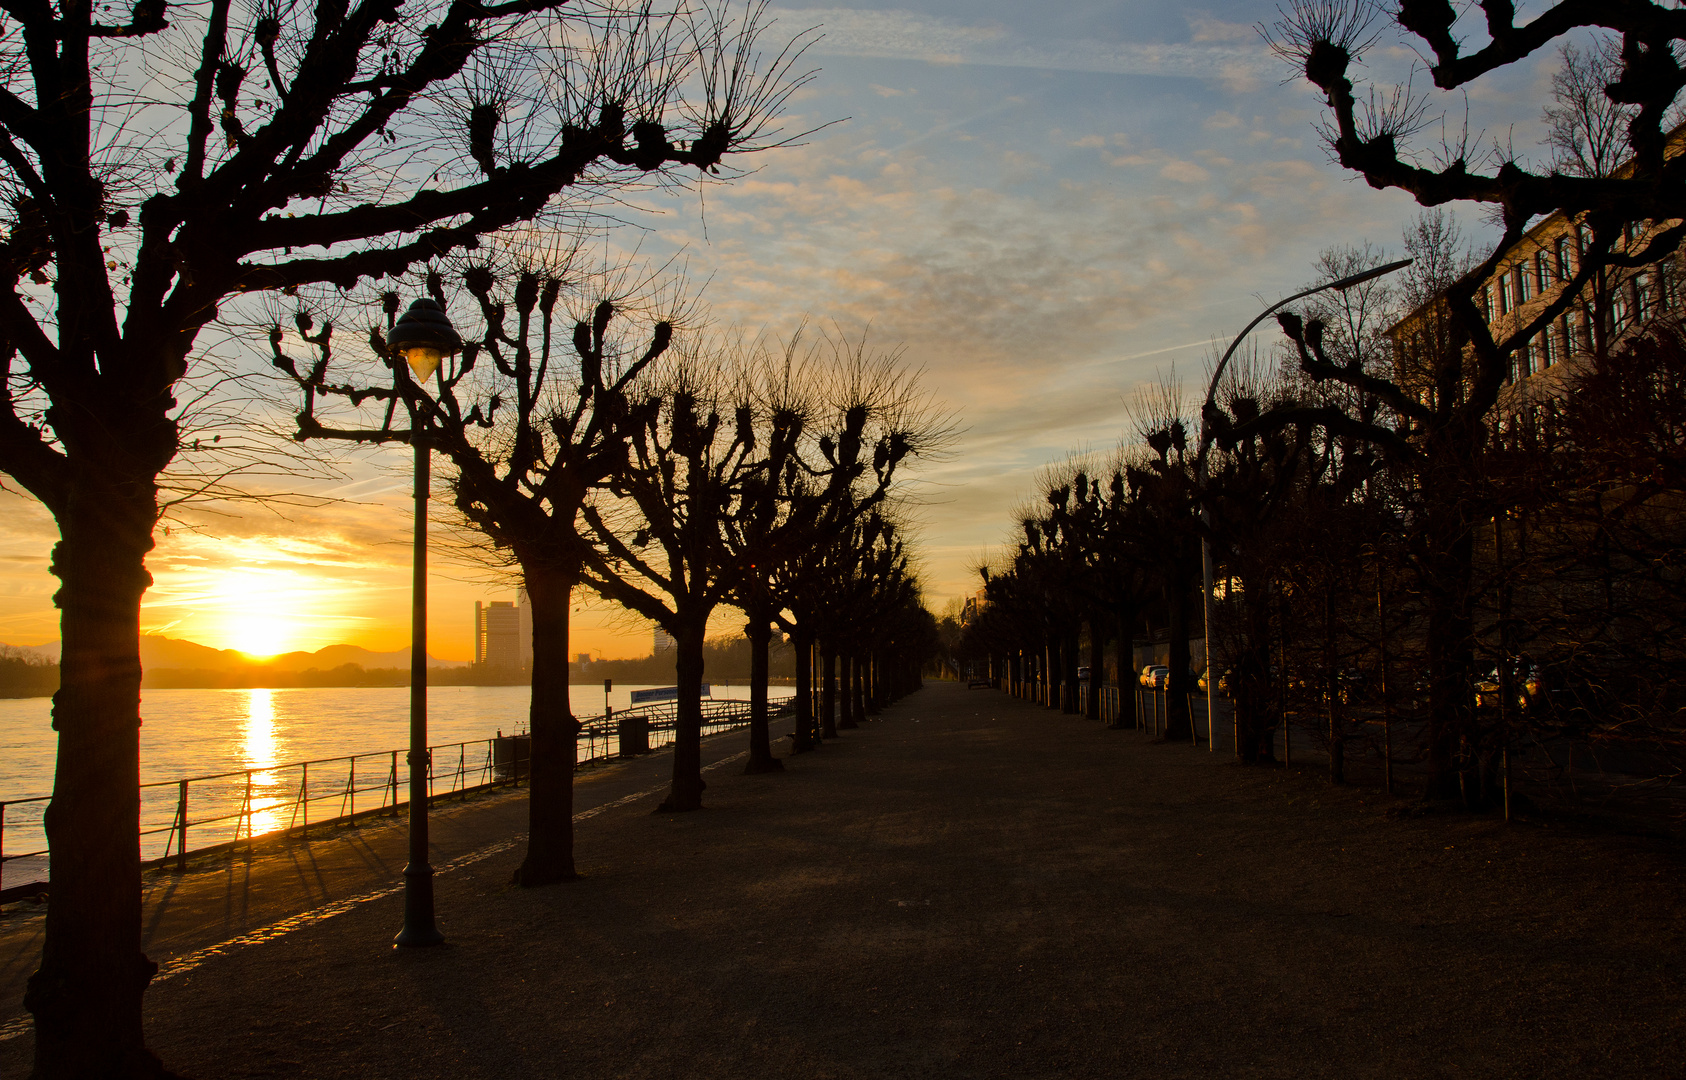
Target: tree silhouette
<point>288,157</point>
<point>531,429</point>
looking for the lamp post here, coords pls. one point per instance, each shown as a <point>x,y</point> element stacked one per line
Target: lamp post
<point>423,337</point>
<point>1341,285</point>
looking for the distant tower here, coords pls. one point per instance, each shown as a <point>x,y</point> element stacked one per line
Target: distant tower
<point>497,635</point>
<point>664,642</point>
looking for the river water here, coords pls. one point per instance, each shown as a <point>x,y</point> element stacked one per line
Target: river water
<point>196,733</point>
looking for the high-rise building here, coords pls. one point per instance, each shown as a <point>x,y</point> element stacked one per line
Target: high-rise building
<point>664,642</point>
<point>523,630</point>
<point>503,634</point>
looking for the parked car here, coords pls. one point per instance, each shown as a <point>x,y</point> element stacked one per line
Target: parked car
<point>1083,674</point>
<point>1146,677</point>
<point>1161,678</point>
<point>1224,682</point>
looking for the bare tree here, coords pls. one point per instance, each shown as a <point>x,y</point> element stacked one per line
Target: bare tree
<point>1371,134</point>
<point>292,153</point>
<point>531,430</point>
<point>689,460</point>
<point>1586,129</point>
<point>1163,479</point>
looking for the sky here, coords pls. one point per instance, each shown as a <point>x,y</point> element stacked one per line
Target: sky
<point>1046,208</point>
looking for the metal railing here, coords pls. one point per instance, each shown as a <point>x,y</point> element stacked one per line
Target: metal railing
<point>196,815</point>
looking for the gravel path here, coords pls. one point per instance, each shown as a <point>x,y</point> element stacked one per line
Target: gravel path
<point>972,886</point>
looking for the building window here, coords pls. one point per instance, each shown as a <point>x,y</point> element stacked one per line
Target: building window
<point>1548,348</point>
<point>1566,331</point>
<point>1563,256</point>
<point>1521,284</point>
<point>1542,274</point>
<point>1642,301</point>
<point>1504,296</point>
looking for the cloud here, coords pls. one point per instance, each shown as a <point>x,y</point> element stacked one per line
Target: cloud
<point>1185,172</point>
<point>903,35</point>
<point>1205,28</point>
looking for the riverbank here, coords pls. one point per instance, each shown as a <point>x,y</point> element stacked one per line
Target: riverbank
<point>970,886</point>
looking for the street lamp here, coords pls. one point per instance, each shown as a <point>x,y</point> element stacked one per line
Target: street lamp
<point>1341,285</point>
<point>423,337</point>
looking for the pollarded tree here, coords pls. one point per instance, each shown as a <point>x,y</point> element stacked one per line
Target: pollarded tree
<point>1162,480</point>
<point>531,428</point>
<point>288,155</point>
<point>689,452</point>
<point>1631,217</point>
<point>800,493</point>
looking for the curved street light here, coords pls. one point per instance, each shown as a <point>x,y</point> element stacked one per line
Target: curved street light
<point>1340,285</point>
<point>422,337</point>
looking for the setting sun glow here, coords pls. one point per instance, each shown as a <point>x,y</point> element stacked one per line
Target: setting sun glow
<point>257,611</point>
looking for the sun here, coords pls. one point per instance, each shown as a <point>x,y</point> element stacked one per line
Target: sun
<point>258,634</point>
<point>255,612</point>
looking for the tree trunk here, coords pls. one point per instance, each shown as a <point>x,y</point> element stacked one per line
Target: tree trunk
<point>1097,668</point>
<point>1451,661</point>
<point>1250,681</point>
<point>86,995</point>
<point>1126,718</point>
<point>1051,672</point>
<point>688,785</point>
<point>847,665</point>
<point>803,739</point>
<point>555,735</point>
<point>828,700</point>
<point>1179,725</point>
<point>761,759</point>
<point>1068,654</point>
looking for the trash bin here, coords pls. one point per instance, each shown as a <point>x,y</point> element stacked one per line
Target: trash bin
<point>635,734</point>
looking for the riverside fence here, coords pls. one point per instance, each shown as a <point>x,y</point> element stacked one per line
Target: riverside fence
<point>198,815</point>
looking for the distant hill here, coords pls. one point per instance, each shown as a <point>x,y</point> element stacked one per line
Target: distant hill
<point>158,651</point>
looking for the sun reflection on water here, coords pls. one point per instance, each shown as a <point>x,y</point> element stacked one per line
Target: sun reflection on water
<point>259,752</point>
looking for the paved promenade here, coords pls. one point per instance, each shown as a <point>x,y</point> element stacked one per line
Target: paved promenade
<point>969,886</point>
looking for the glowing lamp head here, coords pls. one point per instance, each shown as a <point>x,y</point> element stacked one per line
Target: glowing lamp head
<point>424,336</point>
<point>424,360</point>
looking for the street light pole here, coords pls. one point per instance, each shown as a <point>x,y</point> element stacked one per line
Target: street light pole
<point>419,927</point>
<point>1341,285</point>
<point>422,338</point>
